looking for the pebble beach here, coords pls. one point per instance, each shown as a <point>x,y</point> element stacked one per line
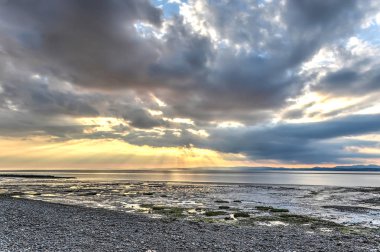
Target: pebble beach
<point>31,225</point>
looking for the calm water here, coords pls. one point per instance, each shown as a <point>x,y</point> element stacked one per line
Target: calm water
<point>347,179</point>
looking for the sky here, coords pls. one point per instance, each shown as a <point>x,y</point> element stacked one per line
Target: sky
<point>121,84</point>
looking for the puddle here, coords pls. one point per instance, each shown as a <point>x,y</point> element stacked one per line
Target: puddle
<point>273,223</point>
<point>326,230</point>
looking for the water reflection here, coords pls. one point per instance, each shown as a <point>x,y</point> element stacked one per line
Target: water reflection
<point>289,178</point>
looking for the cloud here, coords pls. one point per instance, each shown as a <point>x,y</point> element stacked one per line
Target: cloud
<point>352,71</point>
<point>319,142</point>
<point>94,44</point>
<point>24,124</point>
<point>38,98</point>
<point>258,56</point>
<point>328,141</point>
<point>242,61</point>
<point>141,118</point>
<point>90,43</point>
<point>293,114</point>
<point>351,81</point>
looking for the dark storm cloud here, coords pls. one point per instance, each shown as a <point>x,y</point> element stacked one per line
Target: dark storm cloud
<point>89,42</point>
<point>319,142</point>
<point>294,114</point>
<point>342,77</point>
<point>346,126</point>
<point>319,14</point>
<point>313,24</point>
<point>184,57</point>
<point>141,118</point>
<point>351,81</point>
<point>167,139</point>
<point>24,124</point>
<point>39,98</point>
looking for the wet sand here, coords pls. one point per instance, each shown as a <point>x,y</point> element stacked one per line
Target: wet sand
<point>352,207</point>
<point>29,225</point>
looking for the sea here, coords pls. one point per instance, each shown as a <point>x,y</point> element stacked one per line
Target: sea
<point>325,178</point>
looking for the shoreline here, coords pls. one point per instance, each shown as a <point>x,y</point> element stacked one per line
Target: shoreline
<point>34,176</point>
<point>113,181</point>
<point>29,225</point>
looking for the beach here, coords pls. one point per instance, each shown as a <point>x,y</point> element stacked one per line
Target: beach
<point>212,202</point>
<point>45,213</point>
<point>29,225</point>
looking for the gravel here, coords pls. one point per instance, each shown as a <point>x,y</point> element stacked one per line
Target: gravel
<point>27,225</point>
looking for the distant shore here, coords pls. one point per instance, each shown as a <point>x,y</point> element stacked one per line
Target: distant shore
<point>333,178</point>
<point>33,176</point>
<point>29,225</point>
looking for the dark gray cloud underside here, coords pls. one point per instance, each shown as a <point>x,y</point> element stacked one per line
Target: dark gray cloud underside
<point>319,142</point>
<point>61,60</point>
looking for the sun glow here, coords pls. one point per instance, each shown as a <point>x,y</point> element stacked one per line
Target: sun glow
<point>44,153</point>
<point>318,107</point>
